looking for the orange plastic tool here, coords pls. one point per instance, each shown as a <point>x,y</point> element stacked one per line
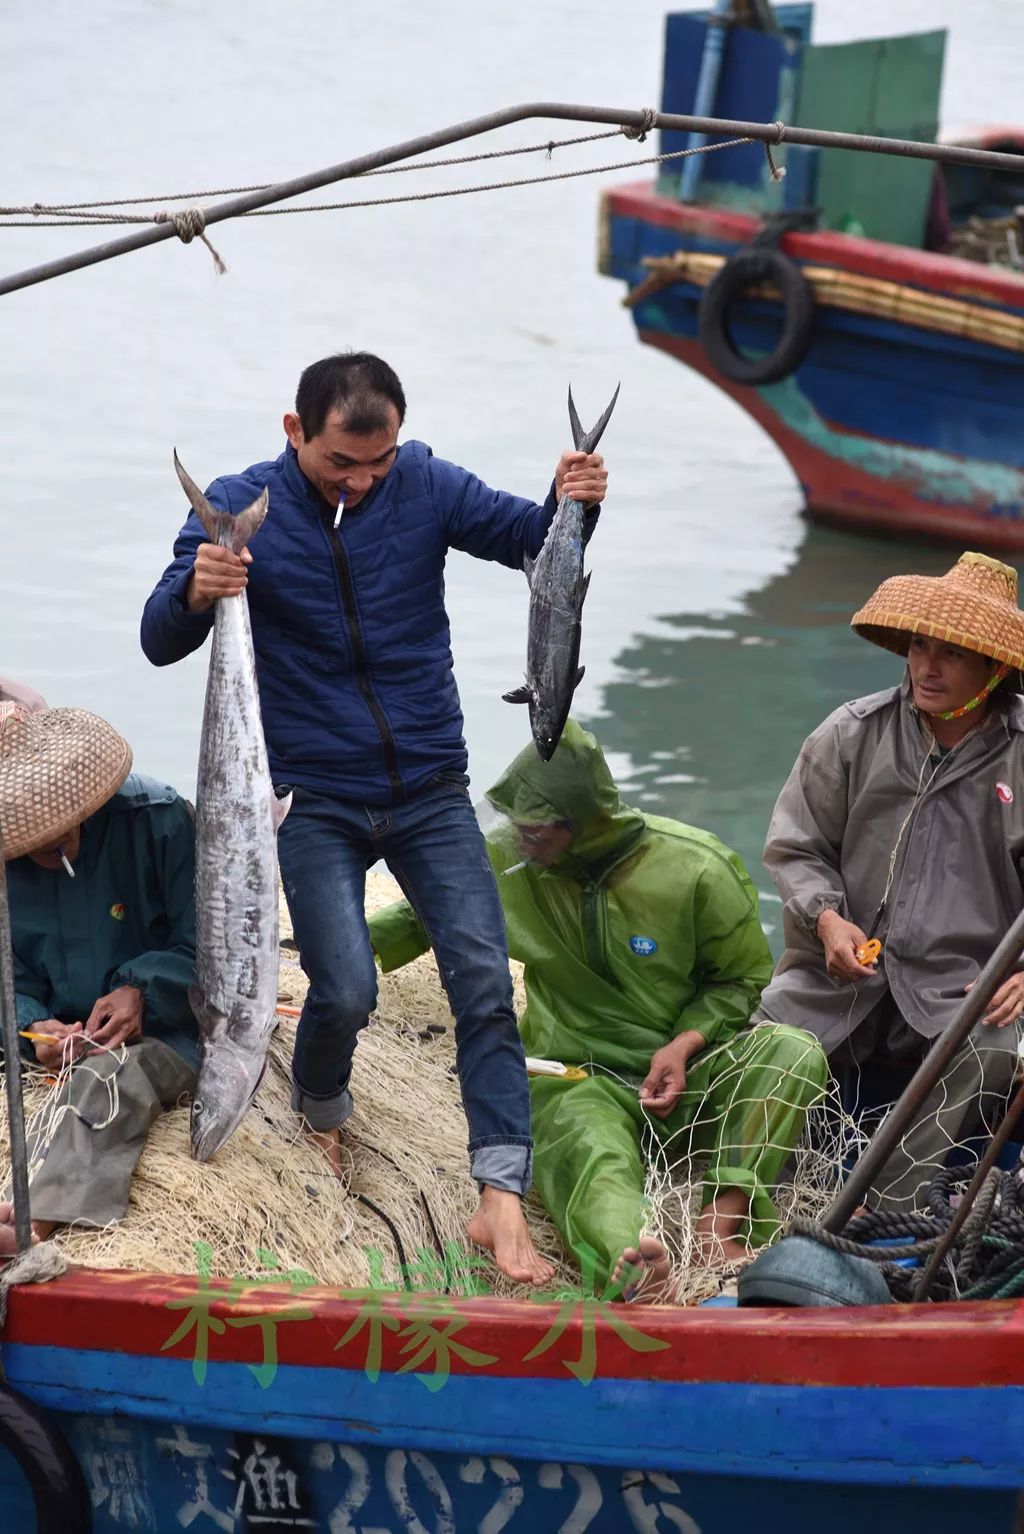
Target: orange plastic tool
<point>869,951</point>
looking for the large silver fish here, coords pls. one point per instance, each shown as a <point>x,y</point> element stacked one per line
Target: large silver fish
<point>237,817</point>
<point>557,591</point>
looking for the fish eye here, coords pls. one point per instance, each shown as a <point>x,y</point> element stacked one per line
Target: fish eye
<point>197,1108</point>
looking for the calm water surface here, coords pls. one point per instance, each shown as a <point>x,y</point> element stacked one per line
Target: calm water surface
<point>716,632</point>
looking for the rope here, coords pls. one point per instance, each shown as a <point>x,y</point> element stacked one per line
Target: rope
<point>374,202</point>
<point>190,224</point>
<point>261,186</point>
<point>650,122</point>
<point>986,1260</point>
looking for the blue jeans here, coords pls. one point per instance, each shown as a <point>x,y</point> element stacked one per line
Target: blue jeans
<point>435,849</point>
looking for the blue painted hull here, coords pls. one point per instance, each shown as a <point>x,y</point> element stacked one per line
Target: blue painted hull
<point>335,1449</point>
<point>888,424</point>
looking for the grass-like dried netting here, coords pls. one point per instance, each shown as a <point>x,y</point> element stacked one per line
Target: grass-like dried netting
<point>270,1189</point>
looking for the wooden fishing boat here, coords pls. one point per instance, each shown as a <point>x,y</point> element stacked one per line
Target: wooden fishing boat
<point>195,1404</point>
<point>867,311</point>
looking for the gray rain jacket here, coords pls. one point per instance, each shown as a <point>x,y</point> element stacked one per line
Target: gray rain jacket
<point>958,881</point>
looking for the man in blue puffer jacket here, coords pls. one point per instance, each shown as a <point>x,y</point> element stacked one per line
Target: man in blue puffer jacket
<point>363,723</point>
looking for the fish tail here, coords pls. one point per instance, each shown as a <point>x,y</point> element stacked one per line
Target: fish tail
<point>586,441</point>
<point>223,527</point>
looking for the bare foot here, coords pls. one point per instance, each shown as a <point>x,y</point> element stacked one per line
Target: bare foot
<point>329,1141</point>
<point>499,1226</point>
<point>9,1241</point>
<point>653,1283</point>
<point>717,1241</point>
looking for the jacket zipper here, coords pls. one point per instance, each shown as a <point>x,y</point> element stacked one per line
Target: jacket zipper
<point>362,669</point>
<point>592,945</point>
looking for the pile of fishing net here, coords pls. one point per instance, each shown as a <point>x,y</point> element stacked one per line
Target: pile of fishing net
<point>269,1200</point>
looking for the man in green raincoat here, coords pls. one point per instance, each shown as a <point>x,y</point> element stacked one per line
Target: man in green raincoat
<point>644,958</point>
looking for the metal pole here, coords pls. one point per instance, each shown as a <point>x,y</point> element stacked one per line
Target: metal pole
<point>709,127</point>
<point>898,1121</point>
<point>985,1165</point>
<point>704,95</point>
<point>12,1073</point>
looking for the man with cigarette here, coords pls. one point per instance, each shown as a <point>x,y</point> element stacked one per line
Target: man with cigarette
<point>100,880</point>
<point>644,958</point>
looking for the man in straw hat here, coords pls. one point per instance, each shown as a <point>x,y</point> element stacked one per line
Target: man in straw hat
<point>903,821</point>
<point>100,878</point>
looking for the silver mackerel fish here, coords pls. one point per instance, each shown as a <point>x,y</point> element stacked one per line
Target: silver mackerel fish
<point>237,818</point>
<point>558,588</point>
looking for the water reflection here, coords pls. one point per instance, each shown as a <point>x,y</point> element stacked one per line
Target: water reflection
<point>706,715</point>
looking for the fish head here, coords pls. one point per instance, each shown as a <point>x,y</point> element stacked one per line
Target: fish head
<point>546,725</point>
<point>227,1082</point>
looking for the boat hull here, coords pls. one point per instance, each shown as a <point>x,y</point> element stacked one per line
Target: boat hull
<point>327,1413</point>
<point>906,420</point>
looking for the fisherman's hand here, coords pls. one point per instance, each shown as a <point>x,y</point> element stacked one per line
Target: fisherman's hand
<point>1006,1005</point>
<point>665,1082</point>
<point>582,476</point>
<point>116,1018</point>
<point>51,1051</point>
<point>217,572</point>
<point>841,939</point>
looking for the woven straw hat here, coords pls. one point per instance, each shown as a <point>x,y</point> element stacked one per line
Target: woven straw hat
<point>58,766</point>
<point>973,606</point>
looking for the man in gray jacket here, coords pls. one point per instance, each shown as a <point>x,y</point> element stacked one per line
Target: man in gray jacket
<point>903,820</point>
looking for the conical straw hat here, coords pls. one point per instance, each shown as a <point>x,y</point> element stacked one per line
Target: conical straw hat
<point>973,606</point>
<point>58,766</point>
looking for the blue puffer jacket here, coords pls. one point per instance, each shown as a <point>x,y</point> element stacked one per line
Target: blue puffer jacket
<point>353,648</point>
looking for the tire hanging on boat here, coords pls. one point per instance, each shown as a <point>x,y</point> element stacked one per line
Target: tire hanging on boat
<point>41,1451</point>
<point>752,265</point>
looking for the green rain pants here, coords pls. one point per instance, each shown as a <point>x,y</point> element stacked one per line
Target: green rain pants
<point>744,1106</point>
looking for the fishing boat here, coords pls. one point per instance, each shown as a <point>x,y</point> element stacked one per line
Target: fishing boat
<point>189,1404</point>
<point>866,311</point>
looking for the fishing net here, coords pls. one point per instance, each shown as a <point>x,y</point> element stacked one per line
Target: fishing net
<point>268,1200</point>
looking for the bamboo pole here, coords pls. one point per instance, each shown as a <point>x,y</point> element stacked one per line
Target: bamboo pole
<point>837,289</point>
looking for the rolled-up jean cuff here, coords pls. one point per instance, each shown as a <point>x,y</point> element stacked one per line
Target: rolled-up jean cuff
<point>322,1113</point>
<point>503,1164</point>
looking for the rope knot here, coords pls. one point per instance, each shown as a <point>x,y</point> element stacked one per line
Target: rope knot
<point>777,171</point>
<point>190,224</point>
<point>649,123</point>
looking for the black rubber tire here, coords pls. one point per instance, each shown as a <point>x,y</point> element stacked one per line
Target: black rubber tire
<point>55,1478</point>
<point>745,268</point>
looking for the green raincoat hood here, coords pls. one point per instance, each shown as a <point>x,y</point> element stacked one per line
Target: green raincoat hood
<point>576,786</point>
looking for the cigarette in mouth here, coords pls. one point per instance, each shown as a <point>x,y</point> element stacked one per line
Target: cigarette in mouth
<point>67,866</point>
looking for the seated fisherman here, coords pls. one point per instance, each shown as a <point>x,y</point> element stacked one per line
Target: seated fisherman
<point>903,819</point>
<point>100,881</point>
<point>644,958</point>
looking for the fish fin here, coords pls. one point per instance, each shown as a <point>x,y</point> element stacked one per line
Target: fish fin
<point>579,676</point>
<point>586,587</point>
<point>279,808</point>
<point>206,1014</point>
<point>524,694</point>
<point>575,422</point>
<point>586,442</point>
<point>223,527</point>
<point>528,565</point>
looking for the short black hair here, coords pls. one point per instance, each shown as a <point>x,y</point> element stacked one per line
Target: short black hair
<point>356,383</point>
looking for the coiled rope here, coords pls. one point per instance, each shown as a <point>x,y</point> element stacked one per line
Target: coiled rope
<point>985,1262</point>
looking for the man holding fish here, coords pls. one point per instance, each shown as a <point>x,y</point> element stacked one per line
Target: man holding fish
<point>364,728</point>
